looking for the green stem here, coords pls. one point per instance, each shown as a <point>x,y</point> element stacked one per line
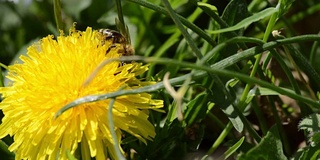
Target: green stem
<point>121,26</point>
<point>1,74</point>
<point>183,31</point>
<point>57,14</point>
<point>171,41</point>
<point>256,63</point>
<point>220,46</point>
<point>215,16</point>
<point>120,14</point>
<point>4,148</point>
<point>220,139</point>
<point>113,133</point>
<point>4,66</point>
<point>313,54</point>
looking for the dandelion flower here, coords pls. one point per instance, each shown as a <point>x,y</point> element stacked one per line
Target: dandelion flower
<point>51,76</point>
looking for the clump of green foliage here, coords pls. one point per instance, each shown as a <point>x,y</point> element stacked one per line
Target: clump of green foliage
<point>244,79</point>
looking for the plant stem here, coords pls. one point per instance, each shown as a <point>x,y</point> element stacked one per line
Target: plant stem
<point>57,14</point>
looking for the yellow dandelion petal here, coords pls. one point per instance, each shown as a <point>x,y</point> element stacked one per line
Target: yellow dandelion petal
<point>50,76</point>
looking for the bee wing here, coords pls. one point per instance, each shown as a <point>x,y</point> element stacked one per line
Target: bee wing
<point>124,30</point>
<point>127,35</point>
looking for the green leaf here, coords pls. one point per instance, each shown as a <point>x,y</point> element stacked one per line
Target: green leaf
<point>315,137</point>
<point>270,147</point>
<point>233,148</point>
<point>311,123</point>
<point>262,91</point>
<point>255,17</point>
<point>217,96</point>
<point>169,143</point>
<point>196,109</point>
<point>234,13</point>
<point>307,153</point>
<point>284,6</point>
<point>304,64</point>
<point>257,5</point>
<point>209,6</point>
<point>4,151</point>
<point>172,112</point>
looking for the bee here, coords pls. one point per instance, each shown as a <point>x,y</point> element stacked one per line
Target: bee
<point>117,38</point>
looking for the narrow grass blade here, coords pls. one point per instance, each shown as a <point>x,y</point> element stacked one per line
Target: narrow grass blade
<point>256,17</point>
